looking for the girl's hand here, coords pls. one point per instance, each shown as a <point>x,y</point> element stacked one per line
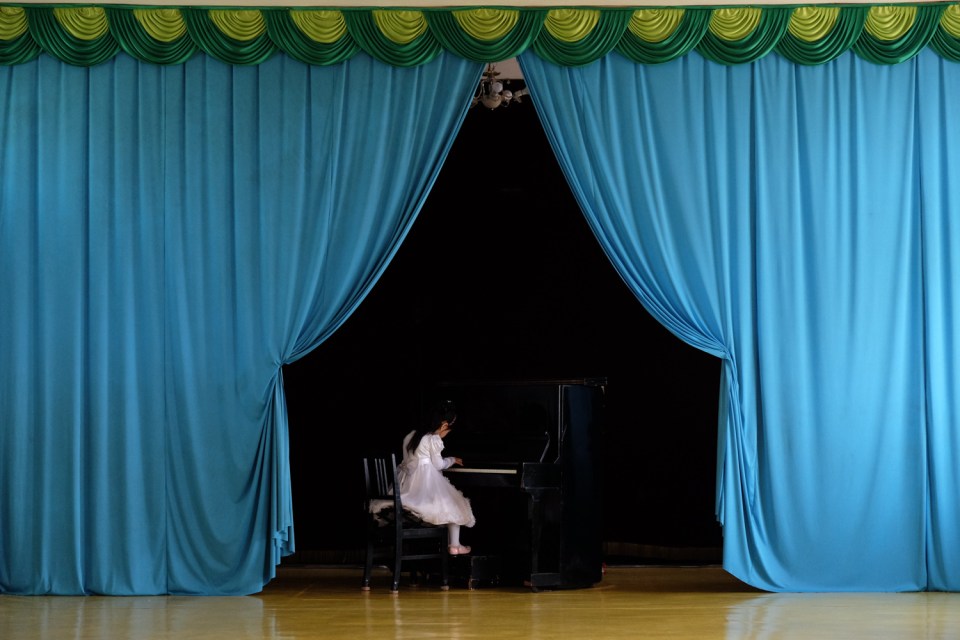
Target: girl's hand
<point>458,461</point>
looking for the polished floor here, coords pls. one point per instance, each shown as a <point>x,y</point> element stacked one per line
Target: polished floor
<point>630,602</point>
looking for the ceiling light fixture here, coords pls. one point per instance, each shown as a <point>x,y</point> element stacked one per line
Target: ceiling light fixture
<point>492,93</point>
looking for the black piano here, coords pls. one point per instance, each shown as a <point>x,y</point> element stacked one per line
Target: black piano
<point>532,473</point>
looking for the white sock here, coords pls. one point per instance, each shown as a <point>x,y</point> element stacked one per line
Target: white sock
<point>453,532</point>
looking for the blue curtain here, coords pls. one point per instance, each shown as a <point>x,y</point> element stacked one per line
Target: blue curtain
<point>169,238</point>
<point>799,223</point>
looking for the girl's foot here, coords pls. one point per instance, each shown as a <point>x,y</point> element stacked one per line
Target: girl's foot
<point>458,549</point>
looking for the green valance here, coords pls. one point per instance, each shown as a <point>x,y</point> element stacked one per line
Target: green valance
<point>88,35</point>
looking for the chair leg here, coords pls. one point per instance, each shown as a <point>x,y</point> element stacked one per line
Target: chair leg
<point>444,565</point>
<point>397,555</point>
<point>367,567</point>
<point>396,578</point>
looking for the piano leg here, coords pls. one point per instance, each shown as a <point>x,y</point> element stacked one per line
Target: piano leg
<point>544,505</point>
<point>535,515</point>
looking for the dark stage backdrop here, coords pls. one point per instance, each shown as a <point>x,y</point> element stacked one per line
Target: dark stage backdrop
<point>501,278</point>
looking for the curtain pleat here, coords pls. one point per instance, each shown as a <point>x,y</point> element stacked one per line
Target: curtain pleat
<point>170,237</point>
<point>940,157</point>
<point>59,42</point>
<point>905,46</point>
<point>598,42</point>
<point>223,47</point>
<point>452,36</point>
<point>690,30</point>
<point>134,39</point>
<point>283,30</point>
<point>841,36</point>
<point>363,28</point>
<point>19,50</point>
<point>755,44</point>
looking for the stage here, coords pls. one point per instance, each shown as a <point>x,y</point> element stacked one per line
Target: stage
<point>630,602</point>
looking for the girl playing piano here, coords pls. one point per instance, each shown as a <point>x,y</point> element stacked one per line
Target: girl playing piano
<point>424,489</point>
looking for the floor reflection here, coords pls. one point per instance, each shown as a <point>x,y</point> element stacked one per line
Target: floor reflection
<point>133,618</point>
<point>849,615</point>
<point>639,602</point>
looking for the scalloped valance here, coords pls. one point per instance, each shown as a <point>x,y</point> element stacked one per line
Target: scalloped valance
<point>814,34</point>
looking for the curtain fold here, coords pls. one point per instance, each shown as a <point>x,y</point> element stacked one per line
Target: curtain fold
<point>170,237</point>
<point>781,217</point>
<point>940,157</point>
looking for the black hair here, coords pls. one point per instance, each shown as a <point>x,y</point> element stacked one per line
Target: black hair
<point>445,411</point>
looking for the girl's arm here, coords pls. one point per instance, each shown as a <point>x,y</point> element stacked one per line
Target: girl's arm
<point>436,446</point>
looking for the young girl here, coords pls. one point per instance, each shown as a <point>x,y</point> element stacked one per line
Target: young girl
<point>423,487</point>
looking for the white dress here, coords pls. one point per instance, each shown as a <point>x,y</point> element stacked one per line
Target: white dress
<point>425,490</point>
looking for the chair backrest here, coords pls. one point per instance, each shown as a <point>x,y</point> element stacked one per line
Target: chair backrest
<point>380,475</point>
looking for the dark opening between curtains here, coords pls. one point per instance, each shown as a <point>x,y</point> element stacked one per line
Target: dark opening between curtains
<point>501,278</point>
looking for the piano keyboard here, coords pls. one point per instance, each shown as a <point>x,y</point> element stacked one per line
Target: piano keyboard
<point>478,470</point>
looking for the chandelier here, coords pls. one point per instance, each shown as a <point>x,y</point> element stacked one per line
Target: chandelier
<point>492,93</point>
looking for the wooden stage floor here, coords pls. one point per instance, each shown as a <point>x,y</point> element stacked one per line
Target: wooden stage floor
<point>630,602</point>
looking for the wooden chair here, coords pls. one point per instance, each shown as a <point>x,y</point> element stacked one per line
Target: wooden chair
<point>393,532</point>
